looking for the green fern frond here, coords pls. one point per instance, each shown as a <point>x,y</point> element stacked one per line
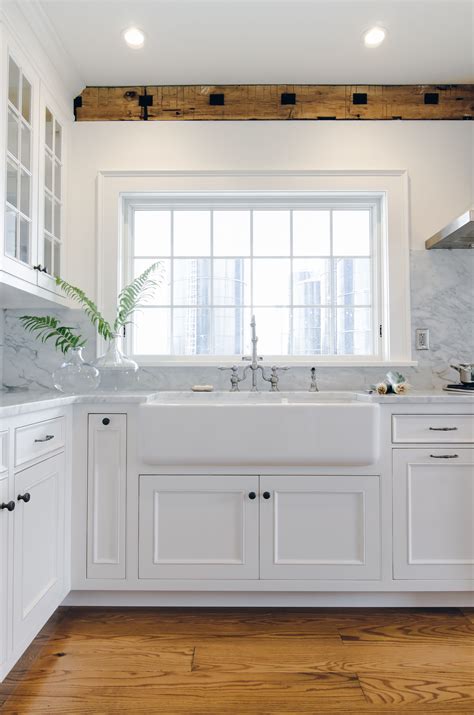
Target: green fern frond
<point>138,291</point>
<point>91,310</point>
<point>47,327</point>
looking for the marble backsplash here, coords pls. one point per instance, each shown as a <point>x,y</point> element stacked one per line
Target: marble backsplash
<point>442,298</point>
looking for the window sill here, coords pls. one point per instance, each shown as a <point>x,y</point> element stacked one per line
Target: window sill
<point>291,362</point>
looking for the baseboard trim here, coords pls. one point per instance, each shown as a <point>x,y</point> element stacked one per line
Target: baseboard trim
<point>264,600</point>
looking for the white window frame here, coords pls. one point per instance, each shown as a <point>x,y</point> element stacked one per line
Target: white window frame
<point>385,191</point>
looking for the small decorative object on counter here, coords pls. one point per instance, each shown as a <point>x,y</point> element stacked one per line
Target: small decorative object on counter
<point>118,372</point>
<point>202,388</point>
<point>394,384</point>
<point>75,376</point>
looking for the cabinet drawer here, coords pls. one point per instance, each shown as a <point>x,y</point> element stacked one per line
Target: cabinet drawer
<point>34,441</point>
<point>433,428</point>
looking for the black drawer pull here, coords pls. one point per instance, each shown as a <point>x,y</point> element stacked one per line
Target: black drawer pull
<point>48,438</point>
<point>266,495</point>
<point>252,495</point>
<point>106,421</point>
<point>444,456</point>
<point>443,429</point>
<point>10,505</point>
<point>24,497</point>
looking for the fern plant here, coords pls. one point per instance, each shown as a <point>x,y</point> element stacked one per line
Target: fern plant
<point>46,328</point>
<point>130,297</point>
<point>88,306</point>
<point>138,291</point>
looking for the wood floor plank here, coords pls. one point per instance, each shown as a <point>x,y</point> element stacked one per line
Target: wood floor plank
<point>251,623</point>
<point>451,629</point>
<point>420,688</point>
<point>292,655</point>
<point>468,613</point>
<point>291,692</point>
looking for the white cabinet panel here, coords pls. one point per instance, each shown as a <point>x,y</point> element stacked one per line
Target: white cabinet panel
<point>198,527</point>
<point>107,470</point>
<point>320,527</point>
<point>433,513</point>
<point>38,546</point>
<point>6,517</point>
<point>3,454</point>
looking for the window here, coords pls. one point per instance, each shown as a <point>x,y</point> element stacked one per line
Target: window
<point>306,268</point>
<point>18,207</point>
<point>52,193</point>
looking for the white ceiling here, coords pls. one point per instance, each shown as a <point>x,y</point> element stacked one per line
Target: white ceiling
<point>266,41</point>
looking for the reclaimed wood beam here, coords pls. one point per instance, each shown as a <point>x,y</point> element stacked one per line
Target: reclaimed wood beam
<point>275,102</point>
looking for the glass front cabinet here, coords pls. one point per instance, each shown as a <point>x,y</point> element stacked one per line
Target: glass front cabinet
<point>32,186</point>
<point>50,236</point>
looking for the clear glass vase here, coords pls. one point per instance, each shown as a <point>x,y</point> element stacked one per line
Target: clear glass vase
<point>117,371</point>
<point>75,375</point>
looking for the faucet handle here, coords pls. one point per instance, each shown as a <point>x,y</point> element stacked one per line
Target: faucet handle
<point>274,379</point>
<point>313,387</point>
<point>234,378</point>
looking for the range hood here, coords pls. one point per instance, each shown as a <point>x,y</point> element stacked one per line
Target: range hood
<point>457,234</point>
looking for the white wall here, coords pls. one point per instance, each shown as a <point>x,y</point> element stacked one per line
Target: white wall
<point>437,155</point>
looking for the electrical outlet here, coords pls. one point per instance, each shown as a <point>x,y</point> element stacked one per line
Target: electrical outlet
<point>422,339</point>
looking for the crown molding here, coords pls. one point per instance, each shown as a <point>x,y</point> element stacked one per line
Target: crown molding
<point>32,29</point>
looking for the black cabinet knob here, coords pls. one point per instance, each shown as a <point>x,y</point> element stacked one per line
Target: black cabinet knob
<point>252,495</point>
<point>24,497</point>
<point>106,421</point>
<point>266,495</point>
<point>10,505</point>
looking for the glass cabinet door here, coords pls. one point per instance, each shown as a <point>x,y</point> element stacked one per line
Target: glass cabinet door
<point>52,193</point>
<point>18,196</point>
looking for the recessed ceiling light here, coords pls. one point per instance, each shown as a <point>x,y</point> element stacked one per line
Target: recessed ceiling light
<point>375,36</point>
<point>134,38</point>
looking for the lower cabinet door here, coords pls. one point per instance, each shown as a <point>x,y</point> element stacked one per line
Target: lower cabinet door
<point>433,513</point>
<point>198,527</point>
<point>38,557</point>
<point>6,517</point>
<point>106,495</point>
<point>320,527</point>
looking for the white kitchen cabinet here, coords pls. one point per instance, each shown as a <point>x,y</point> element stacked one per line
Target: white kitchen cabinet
<point>319,527</point>
<point>52,187</point>
<point>6,517</point>
<point>203,527</point>
<point>106,509</point>
<point>38,553</point>
<point>19,101</point>
<point>33,140</point>
<point>433,513</point>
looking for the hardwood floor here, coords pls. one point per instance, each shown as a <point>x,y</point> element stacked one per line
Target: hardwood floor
<point>253,661</point>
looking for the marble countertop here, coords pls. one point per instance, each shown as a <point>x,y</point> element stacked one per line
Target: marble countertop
<point>17,403</point>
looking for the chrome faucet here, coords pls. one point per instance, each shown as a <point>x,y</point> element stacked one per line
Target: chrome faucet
<point>254,358</point>
<point>254,366</point>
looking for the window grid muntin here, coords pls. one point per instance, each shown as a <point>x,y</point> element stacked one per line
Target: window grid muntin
<point>333,306</point>
<point>17,163</point>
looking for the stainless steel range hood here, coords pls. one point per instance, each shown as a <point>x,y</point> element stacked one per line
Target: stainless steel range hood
<point>457,234</point>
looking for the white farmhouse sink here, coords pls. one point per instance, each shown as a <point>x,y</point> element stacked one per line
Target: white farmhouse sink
<point>256,429</point>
